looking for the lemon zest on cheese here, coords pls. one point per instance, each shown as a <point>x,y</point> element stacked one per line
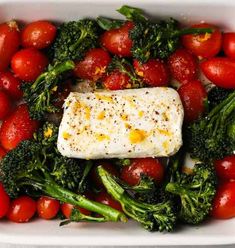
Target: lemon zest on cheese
<point>101,115</point>
<point>137,136</point>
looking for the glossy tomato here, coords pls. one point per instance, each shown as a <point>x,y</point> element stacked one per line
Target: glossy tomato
<point>106,199</point>
<point>224,201</point>
<point>204,45</point>
<point>93,66</point>
<point>5,105</point>
<point>117,40</point>
<point>11,85</point>
<point>39,34</point>
<point>220,71</point>
<point>193,96</point>
<point>28,64</point>
<point>225,167</point>
<point>67,208</point>
<point>183,66</point>
<point>22,209</point>
<point>17,127</point>
<point>229,44</point>
<point>154,72</point>
<point>131,174</point>
<point>47,207</point>
<point>9,42</point>
<point>117,80</point>
<point>4,201</point>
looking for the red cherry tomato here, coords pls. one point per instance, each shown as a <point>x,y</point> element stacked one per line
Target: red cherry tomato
<point>154,72</point>
<point>2,153</point>
<point>47,207</point>
<point>150,167</point>
<point>5,105</point>
<point>93,66</point>
<point>11,84</point>
<point>117,40</point>
<point>224,201</point>
<point>108,166</point>
<point>225,167</point>
<point>106,199</point>
<point>28,64</point>
<point>193,96</point>
<point>204,45</point>
<point>9,42</point>
<point>22,209</point>
<point>183,66</point>
<point>67,208</point>
<point>39,34</point>
<point>117,80</point>
<point>220,71</point>
<point>229,44</point>
<point>17,127</point>
<point>4,202</point>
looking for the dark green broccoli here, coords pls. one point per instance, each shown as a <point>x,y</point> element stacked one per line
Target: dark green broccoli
<point>74,39</point>
<point>194,192</point>
<point>31,165</point>
<point>207,139</point>
<point>153,217</point>
<point>39,95</point>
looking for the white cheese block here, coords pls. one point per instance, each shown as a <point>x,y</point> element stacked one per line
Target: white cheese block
<point>130,123</point>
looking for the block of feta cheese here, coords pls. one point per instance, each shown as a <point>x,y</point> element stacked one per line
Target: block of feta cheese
<point>129,123</point>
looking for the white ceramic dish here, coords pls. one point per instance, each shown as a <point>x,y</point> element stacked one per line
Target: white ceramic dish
<point>41,232</point>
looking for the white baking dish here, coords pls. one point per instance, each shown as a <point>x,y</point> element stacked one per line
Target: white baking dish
<point>41,232</point>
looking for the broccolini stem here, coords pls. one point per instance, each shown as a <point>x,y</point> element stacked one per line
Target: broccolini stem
<point>193,31</point>
<point>78,42</point>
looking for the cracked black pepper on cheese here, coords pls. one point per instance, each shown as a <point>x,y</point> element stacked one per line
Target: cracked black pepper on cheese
<point>131,123</point>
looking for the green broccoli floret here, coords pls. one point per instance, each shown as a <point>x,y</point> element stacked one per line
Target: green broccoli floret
<point>74,39</point>
<point>39,95</point>
<point>207,139</point>
<point>153,217</point>
<point>194,192</point>
<point>31,165</point>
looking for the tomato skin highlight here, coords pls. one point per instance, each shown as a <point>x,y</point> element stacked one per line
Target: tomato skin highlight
<point>229,44</point>
<point>5,105</point>
<point>117,40</point>
<point>11,85</point>
<point>10,42</point>
<point>203,45</point>
<point>47,207</point>
<point>183,66</point>
<point>17,127</point>
<point>154,72</point>
<point>93,66</point>
<point>28,64</point>
<point>220,71</point>
<point>224,201</point>
<point>4,201</point>
<point>66,209</point>
<point>225,168</point>
<point>193,95</point>
<point>22,209</point>
<point>131,174</point>
<point>39,34</point>
<point>117,80</point>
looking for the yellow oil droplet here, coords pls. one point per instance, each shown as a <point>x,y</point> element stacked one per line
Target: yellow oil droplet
<point>137,136</point>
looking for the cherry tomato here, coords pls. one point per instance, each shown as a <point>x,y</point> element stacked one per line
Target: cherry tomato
<point>108,166</point>
<point>106,199</point>
<point>2,153</point>
<point>5,105</point>
<point>17,127</point>
<point>117,40</point>
<point>22,209</point>
<point>154,72</point>
<point>229,44</point>
<point>93,66</point>
<point>225,167</point>
<point>224,201</point>
<point>9,42</point>
<point>117,80</point>
<point>4,202</point>
<point>193,97</point>
<point>39,34</point>
<point>150,167</point>
<point>220,71</point>
<point>28,64</point>
<point>67,208</point>
<point>183,66</point>
<point>11,85</point>
<point>47,207</point>
<point>204,45</point>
